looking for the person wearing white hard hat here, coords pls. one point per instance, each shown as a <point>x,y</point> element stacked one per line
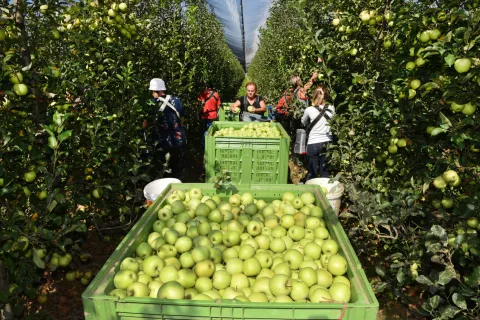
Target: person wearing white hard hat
<point>169,133</point>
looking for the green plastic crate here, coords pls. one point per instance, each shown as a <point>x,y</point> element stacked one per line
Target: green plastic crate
<point>247,160</point>
<point>224,113</point>
<point>99,305</point>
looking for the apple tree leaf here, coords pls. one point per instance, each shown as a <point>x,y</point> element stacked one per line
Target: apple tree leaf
<point>52,205</point>
<point>57,118</point>
<point>437,131</point>
<point>426,185</point>
<point>448,312</point>
<point>65,135</point>
<point>439,232</point>
<point>473,279</point>
<point>434,248</point>
<point>424,280</point>
<point>381,287</point>
<point>50,132</point>
<point>445,276</point>
<point>459,301</point>
<point>450,60</point>
<point>27,68</point>
<point>36,259</point>
<point>380,270</point>
<point>400,276</point>
<point>445,120</point>
<point>434,301</point>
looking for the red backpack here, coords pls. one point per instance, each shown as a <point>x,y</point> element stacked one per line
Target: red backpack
<point>283,105</point>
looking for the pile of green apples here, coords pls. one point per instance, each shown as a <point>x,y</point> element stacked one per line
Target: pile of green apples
<point>254,130</point>
<point>206,248</point>
<point>84,277</point>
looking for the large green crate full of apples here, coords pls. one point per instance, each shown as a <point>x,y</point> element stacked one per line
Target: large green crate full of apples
<point>247,152</point>
<point>254,252</point>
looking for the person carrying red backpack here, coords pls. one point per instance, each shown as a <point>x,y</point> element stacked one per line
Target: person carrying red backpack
<point>210,100</point>
<point>284,109</point>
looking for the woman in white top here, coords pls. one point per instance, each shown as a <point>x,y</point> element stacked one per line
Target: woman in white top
<point>320,135</point>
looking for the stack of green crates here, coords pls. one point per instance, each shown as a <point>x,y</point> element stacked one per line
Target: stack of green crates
<point>246,160</point>
<point>98,305</point>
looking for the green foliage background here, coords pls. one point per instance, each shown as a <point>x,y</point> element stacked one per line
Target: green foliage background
<point>394,217</point>
<point>87,155</point>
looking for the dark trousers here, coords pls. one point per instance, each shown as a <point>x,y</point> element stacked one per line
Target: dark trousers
<point>178,158</point>
<point>176,163</point>
<point>285,121</point>
<point>316,154</point>
<point>294,125</point>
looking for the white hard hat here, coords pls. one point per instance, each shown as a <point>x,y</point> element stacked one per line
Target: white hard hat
<point>157,85</point>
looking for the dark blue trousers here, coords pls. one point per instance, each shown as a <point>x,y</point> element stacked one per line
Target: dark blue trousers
<point>316,154</point>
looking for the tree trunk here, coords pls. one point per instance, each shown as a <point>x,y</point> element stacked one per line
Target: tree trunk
<point>378,83</point>
<point>20,23</point>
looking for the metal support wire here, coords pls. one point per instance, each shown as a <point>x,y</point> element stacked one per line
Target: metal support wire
<point>243,37</point>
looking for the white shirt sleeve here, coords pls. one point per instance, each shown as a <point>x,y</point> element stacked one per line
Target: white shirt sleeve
<point>306,118</point>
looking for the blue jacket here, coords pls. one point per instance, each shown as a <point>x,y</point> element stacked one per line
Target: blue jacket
<point>170,132</point>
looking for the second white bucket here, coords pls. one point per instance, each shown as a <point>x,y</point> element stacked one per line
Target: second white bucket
<point>334,191</point>
<point>154,188</point>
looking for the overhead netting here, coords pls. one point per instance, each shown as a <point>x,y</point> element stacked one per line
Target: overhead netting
<point>242,34</point>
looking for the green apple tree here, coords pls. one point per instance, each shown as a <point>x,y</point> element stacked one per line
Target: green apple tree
<point>404,79</point>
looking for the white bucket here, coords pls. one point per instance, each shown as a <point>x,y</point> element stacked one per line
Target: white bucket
<point>334,191</point>
<point>154,188</point>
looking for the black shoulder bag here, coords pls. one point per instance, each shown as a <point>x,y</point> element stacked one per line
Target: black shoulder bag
<point>301,139</point>
<point>322,113</point>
